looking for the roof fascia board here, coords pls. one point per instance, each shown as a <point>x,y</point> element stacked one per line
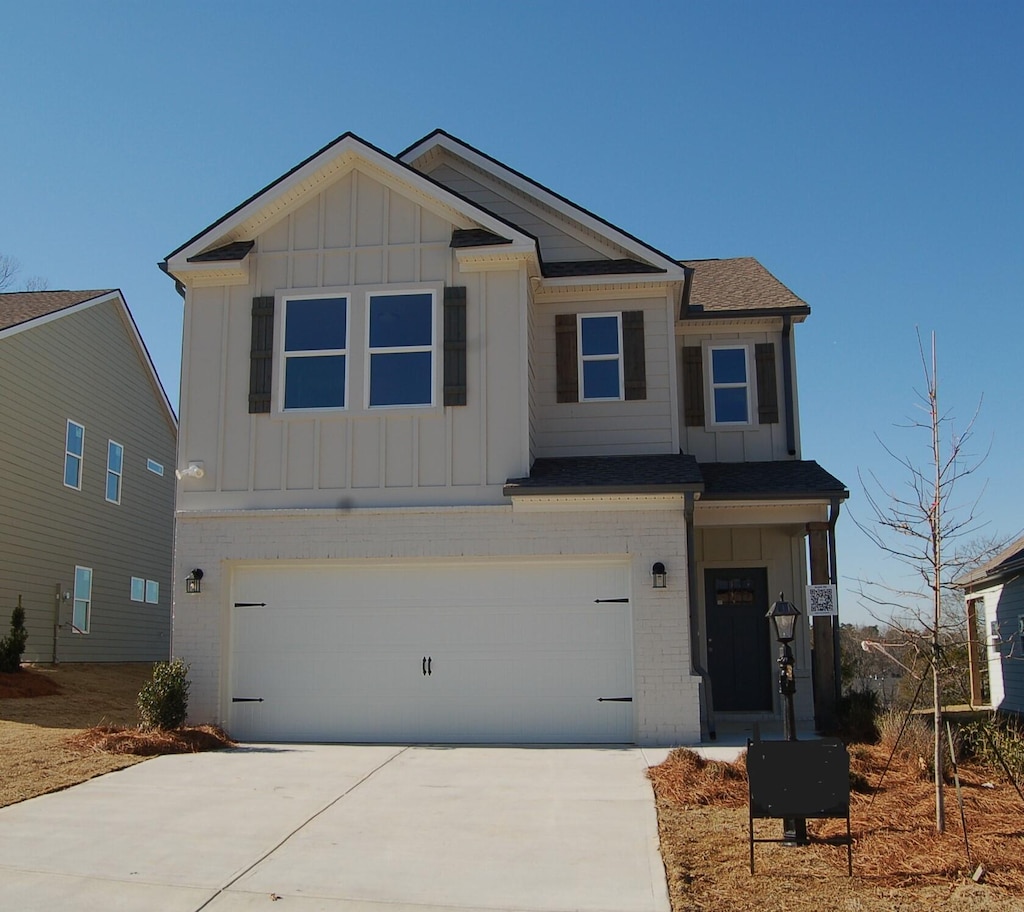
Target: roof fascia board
<point>351,147</point>
<point>530,187</point>
<point>797,313</point>
<point>594,500</point>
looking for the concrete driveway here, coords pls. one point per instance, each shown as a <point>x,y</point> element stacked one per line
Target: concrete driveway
<point>340,827</point>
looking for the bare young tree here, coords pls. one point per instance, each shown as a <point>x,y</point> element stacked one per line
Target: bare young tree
<point>9,269</point>
<point>922,526</point>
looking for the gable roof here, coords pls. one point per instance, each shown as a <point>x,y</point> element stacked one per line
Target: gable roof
<point>25,310</point>
<point>621,238</point>
<point>243,222</point>
<point>17,307</point>
<point>1008,561</point>
<point>722,287</point>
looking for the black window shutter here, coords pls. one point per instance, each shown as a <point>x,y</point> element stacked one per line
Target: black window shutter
<point>261,357</point>
<point>634,358</point>
<point>566,367</point>
<point>693,386</point>
<point>455,345</point>
<point>767,389</point>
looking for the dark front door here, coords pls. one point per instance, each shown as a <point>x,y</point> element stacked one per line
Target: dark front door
<point>739,645</point>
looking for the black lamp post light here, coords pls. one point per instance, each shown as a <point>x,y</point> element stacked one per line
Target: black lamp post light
<point>784,615</point>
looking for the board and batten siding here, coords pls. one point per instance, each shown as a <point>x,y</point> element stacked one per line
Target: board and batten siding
<point>84,366</point>
<point>627,427</point>
<point>355,234</point>
<point>751,443</point>
<point>558,242</point>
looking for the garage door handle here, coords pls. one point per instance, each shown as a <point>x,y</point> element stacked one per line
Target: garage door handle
<point>614,699</point>
<point>430,661</point>
<point>427,661</point>
<point>424,666</point>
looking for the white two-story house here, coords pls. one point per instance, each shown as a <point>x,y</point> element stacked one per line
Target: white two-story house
<point>463,462</point>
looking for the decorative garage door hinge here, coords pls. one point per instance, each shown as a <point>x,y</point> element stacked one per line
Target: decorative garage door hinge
<point>247,699</point>
<point>250,604</point>
<point>599,601</point>
<point>614,699</point>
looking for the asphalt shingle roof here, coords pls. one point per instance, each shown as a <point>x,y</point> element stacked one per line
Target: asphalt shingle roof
<point>476,237</point>
<point>737,480</point>
<point>667,474</point>
<point>1009,560</point>
<point>741,284</point>
<point>229,253</point>
<point>21,306</point>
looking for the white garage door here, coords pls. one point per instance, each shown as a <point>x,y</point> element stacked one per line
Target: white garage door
<point>456,652</point>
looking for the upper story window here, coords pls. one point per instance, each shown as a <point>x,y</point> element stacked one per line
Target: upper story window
<point>115,463</point>
<point>600,348</point>
<point>152,592</point>
<point>400,329</point>
<point>74,450</point>
<point>138,589</point>
<point>82,605</point>
<point>730,384</point>
<point>315,352</point>
<point>155,467</point>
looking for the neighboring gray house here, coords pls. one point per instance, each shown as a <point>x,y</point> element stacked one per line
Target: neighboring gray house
<point>87,442</point>
<point>463,461</point>
<point>995,597</point>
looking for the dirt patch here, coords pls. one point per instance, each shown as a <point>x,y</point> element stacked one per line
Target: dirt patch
<point>51,742</point>
<point>26,683</point>
<point>899,861</point>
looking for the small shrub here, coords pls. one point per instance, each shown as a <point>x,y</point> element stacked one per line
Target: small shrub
<point>994,739</point>
<point>858,713</point>
<point>163,701</point>
<point>13,645</point>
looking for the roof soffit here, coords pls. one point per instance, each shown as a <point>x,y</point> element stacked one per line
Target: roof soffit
<point>438,146</point>
<point>345,155</point>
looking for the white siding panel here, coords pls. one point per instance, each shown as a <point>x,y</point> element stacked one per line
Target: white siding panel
<point>338,213</point>
<point>301,454</point>
<point>400,452</point>
<point>366,454</point>
<point>369,267</point>
<point>433,451</point>
<point>306,226</point>
<point>401,220</point>
<point>268,474</point>
<point>334,454</point>
<point>235,430</point>
<point>369,211</point>
<point>337,269</point>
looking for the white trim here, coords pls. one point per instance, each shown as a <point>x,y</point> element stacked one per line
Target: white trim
<point>336,159</point>
<point>68,454</point>
<point>567,209</point>
<point>407,349</point>
<point>710,386</point>
<point>141,587</point>
<point>581,359</point>
<point>155,600</point>
<point>88,602</point>
<point>282,356</point>
<point>155,467</point>
<point>119,475</point>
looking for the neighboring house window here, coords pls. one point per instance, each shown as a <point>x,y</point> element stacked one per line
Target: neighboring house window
<point>600,364</point>
<point>730,384</point>
<point>401,349</point>
<point>115,463</point>
<point>74,449</point>
<point>82,606</point>
<point>154,467</point>
<point>315,352</point>
<point>138,589</point>
<point>152,592</point>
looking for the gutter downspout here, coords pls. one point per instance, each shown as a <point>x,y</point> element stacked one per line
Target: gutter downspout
<point>787,382</point>
<point>833,573</point>
<point>695,629</point>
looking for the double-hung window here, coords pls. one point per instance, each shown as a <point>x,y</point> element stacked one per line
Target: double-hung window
<point>74,450</point>
<point>400,329</point>
<point>82,605</point>
<point>315,353</point>
<point>600,354</point>
<point>115,463</point>
<point>730,384</point>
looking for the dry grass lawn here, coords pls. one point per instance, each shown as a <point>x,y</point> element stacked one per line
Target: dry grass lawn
<point>899,863</point>
<point>63,724</point>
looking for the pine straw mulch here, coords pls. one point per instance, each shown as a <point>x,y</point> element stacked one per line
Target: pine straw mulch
<point>899,862</point>
<point>117,739</point>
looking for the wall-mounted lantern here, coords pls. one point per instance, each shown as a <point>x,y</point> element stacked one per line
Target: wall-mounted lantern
<point>659,575</point>
<point>194,582</point>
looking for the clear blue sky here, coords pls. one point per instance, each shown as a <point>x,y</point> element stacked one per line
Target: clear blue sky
<point>871,155</point>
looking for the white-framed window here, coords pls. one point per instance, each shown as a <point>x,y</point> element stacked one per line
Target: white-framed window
<point>82,605</point>
<point>115,468</point>
<point>152,592</point>
<point>315,352</point>
<point>730,384</point>
<point>138,589</point>
<point>401,343</point>
<point>155,467</point>
<point>74,453</point>
<point>600,357</point>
